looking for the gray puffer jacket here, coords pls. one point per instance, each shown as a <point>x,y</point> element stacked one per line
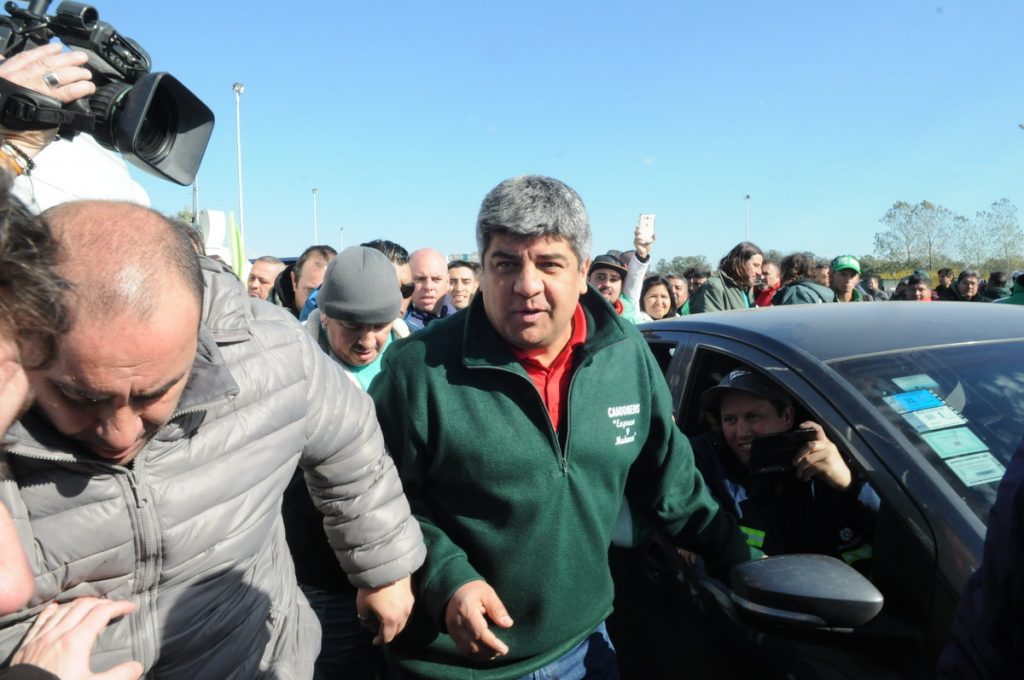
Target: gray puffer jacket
<point>192,531</point>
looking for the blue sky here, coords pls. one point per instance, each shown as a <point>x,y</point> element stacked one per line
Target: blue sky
<point>404,114</point>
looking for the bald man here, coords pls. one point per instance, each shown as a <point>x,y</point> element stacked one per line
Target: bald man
<point>164,433</point>
<point>429,296</point>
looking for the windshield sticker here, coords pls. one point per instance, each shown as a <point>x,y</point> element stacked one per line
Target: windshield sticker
<point>921,381</point>
<point>912,401</point>
<point>980,468</point>
<point>956,442</point>
<point>934,419</point>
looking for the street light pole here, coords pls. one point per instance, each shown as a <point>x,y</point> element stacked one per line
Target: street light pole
<point>239,88</point>
<point>746,201</point>
<point>316,239</point>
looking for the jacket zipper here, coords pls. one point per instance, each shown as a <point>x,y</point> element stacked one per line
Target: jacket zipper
<point>146,570</point>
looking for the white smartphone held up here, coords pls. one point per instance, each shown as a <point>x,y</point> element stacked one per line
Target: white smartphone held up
<point>645,228</point>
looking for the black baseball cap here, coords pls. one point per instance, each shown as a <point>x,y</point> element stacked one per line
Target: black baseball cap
<point>607,262</point>
<point>743,380</point>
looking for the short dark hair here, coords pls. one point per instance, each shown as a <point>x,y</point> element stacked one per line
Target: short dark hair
<point>324,252</point>
<point>998,279</point>
<point>456,264</point>
<point>32,305</point>
<point>945,271</point>
<point>733,262</point>
<point>697,272</point>
<point>967,273</point>
<point>394,252</point>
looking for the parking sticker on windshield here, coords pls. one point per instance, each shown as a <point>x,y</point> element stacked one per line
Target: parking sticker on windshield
<point>955,442</point>
<point>980,468</point>
<point>912,401</point>
<point>921,381</point>
<point>934,419</point>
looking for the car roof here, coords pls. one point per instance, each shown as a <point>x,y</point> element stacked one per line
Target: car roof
<point>841,331</point>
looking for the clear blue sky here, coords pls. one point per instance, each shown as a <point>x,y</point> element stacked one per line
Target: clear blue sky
<point>404,114</point>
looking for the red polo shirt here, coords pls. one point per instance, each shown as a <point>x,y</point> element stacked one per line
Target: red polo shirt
<point>553,381</point>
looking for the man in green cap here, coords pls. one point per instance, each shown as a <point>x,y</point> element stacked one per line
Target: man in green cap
<point>845,277</point>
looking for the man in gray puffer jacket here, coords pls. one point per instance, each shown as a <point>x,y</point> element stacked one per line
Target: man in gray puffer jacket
<point>153,464</point>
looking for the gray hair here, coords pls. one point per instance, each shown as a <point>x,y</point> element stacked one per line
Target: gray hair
<point>533,206</point>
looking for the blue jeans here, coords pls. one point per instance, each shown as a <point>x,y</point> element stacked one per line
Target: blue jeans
<point>592,659</point>
<point>346,652</point>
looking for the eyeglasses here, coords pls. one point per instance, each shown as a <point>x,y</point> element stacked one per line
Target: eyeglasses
<point>407,290</point>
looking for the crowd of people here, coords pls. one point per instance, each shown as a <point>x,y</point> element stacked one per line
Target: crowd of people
<point>371,463</point>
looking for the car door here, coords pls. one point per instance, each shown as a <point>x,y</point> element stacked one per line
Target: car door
<point>910,632</point>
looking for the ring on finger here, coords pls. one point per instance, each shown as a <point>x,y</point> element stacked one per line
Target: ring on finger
<point>52,80</point>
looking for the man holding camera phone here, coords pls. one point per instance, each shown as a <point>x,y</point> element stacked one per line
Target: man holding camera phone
<point>792,493</point>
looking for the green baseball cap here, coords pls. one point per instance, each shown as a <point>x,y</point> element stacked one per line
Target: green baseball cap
<point>846,262</point>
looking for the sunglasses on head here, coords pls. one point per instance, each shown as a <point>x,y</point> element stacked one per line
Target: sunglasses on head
<point>407,290</point>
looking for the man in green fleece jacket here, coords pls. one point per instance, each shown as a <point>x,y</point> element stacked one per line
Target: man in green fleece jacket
<point>517,426</point>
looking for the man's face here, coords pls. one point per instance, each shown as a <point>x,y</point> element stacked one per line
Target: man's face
<point>968,286</point>
<point>14,391</point>
<point>430,275</point>
<point>463,284</point>
<point>261,279</point>
<point>696,282</point>
<point>845,280</point>
<point>356,344</point>
<point>531,287</point>
<point>946,279</point>
<point>919,291</point>
<point>681,291</point>
<point>743,415</point>
<point>405,284</point>
<point>608,283</point>
<point>821,276</point>
<point>114,384</point>
<point>312,276</point>
<point>771,275</point>
<point>752,268</point>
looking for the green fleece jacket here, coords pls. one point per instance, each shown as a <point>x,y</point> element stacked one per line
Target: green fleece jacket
<point>503,497</point>
<point>720,292</point>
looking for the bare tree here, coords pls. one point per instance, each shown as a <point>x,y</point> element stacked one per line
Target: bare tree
<point>899,243</point>
<point>932,223</point>
<point>1002,230</point>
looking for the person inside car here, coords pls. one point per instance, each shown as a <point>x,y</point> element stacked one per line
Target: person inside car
<point>818,506</point>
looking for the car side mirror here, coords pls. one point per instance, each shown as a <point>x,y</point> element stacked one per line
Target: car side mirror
<point>813,591</point>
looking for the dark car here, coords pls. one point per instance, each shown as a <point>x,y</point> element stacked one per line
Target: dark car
<point>926,401</point>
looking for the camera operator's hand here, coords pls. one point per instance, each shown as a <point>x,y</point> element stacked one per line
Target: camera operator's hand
<point>51,71</point>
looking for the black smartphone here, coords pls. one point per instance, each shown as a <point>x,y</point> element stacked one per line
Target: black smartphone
<point>775,452</point>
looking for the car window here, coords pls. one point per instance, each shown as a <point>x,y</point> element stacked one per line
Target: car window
<point>963,407</point>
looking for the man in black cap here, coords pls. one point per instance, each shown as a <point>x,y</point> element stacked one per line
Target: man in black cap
<point>816,505</point>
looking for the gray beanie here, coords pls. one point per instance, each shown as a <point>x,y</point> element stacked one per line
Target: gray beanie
<point>360,286</point>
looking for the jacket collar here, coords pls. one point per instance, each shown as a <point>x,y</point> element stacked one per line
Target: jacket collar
<point>483,347</point>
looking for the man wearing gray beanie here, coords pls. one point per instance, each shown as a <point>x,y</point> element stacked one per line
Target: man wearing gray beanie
<point>358,303</point>
<point>357,306</point>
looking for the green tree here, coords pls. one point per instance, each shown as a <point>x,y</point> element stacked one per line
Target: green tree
<point>680,263</point>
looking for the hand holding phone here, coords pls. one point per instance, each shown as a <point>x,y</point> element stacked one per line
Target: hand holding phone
<point>645,229</point>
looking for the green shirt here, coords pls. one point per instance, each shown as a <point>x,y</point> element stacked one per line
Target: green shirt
<point>503,497</point>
